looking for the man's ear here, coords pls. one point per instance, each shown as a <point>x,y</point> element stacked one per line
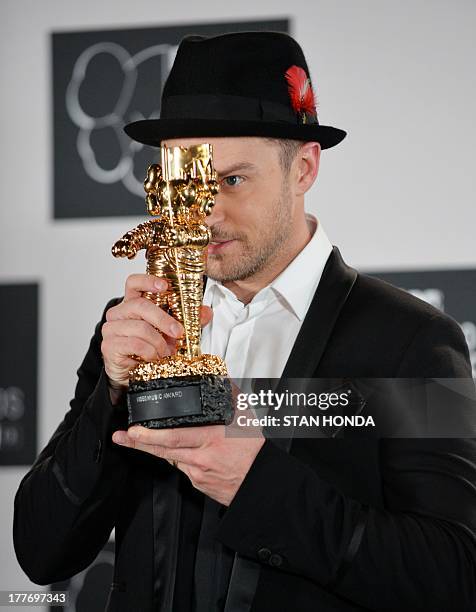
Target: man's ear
<point>307,166</point>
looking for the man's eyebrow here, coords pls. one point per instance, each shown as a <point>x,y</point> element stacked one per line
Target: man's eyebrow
<point>239,167</point>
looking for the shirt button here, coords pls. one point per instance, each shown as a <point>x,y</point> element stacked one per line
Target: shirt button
<point>275,560</point>
<point>264,554</point>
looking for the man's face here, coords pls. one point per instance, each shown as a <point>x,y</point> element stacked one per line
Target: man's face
<point>251,221</point>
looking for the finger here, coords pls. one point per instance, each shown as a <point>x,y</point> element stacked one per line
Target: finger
<point>137,284</point>
<point>172,344</point>
<point>183,437</point>
<point>142,308</point>
<point>126,363</point>
<point>186,456</point>
<point>206,315</point>
<point>119,349</point>
<point>133,328</point>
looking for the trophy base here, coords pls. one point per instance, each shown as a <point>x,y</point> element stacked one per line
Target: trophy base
<point>179,392</point>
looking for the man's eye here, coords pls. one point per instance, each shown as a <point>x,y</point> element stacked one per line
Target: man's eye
<point>233,181</point>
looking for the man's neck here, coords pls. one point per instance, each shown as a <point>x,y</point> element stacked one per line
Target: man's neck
<point>246,289</point>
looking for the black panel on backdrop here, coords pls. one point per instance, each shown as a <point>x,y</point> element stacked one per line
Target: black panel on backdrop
<point>452,291</point>
<point>18,373</point>
<point>101,81</point>
<point>88,591</point>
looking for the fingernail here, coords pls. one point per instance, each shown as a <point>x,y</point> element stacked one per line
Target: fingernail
<point>133,433</point>
<point>176,329</point>
<point>119,437</point>
<point>161,285</point>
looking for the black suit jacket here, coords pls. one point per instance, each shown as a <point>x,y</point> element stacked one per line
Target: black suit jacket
<point>318,524</point>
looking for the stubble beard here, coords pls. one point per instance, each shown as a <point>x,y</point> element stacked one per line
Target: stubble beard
<point>253,256</point>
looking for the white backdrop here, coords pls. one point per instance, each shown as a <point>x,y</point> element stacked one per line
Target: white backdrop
<point>398,193</point>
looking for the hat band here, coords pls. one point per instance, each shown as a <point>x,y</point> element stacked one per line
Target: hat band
<point>227,107</point>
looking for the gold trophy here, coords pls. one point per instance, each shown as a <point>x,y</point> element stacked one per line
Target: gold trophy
<point>187,388</point>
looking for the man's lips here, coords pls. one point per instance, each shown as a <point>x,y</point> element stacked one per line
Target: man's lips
<point>216,246</point>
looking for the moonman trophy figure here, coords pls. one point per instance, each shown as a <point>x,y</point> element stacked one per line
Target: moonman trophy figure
<point>186,388</point>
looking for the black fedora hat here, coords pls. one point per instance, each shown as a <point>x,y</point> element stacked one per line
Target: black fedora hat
<point>239,84</point>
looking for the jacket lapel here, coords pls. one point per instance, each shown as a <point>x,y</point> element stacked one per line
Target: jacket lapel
<point>334,287</point>
<point>332,292</point>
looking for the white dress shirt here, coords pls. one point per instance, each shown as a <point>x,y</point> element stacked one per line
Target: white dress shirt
<point>256,339</point>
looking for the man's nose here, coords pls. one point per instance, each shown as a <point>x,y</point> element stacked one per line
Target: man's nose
<point>218,212</point>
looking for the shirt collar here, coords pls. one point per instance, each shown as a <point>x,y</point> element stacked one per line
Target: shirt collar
<point>297,283</point>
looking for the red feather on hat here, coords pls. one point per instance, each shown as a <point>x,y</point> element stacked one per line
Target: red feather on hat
<point>300,91</point>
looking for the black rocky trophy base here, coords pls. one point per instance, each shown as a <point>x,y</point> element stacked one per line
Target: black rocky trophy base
<point>182,401</point>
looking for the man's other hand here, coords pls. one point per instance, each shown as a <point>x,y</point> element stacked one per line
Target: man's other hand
<point>215,463</point>
<point>140,328</point>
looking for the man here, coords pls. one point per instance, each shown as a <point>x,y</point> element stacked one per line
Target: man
<point>206,521</point>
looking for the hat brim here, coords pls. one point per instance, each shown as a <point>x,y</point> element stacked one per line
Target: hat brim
<point>153,131</point>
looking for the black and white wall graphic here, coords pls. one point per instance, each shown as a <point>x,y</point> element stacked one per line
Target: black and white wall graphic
<point>452,291</point>
<point>18,373</point>
<point>103,80</point>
